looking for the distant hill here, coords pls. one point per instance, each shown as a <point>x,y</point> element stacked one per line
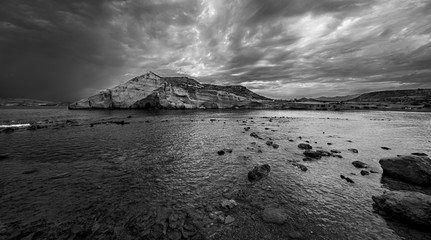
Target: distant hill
<point>410,96</point>
<point>26,102</point>
<point>337,98</point>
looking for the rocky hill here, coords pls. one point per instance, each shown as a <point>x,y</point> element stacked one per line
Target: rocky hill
<point>153,91</point>
<point>410,96</point>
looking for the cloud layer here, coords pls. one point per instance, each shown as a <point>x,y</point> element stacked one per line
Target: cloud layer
<point>64,50</point>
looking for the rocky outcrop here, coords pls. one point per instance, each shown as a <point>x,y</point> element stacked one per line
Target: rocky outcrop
<point>259,172</point>
<point>410,169</point>
<point>412,207</point>
<point>153,91</point>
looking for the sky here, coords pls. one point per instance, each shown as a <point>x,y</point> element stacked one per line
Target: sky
<point>283,49</point>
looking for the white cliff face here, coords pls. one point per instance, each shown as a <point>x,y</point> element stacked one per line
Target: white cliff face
<point>150,90</point>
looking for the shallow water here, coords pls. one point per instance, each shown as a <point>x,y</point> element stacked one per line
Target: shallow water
<point>79,173</point>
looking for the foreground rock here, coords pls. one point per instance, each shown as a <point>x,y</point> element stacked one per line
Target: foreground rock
<point>410,169</point>
<point>259,172</point>
<point>274,215</point>
<point>359,164</point>
<point>153,91</point>
<point>412,207</point>
<point>305,146</point>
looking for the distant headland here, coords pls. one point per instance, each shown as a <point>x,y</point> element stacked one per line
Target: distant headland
<point>151,91</point>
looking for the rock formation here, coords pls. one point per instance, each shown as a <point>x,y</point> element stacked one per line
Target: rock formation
<point>410,169</point>
<point>153,91</point>
<point>412,207</point>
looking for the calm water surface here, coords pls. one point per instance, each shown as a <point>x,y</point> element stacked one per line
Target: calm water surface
<point>152,162</point>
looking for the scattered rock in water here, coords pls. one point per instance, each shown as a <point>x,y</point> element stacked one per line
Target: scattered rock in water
<point>364,172</point>
<point>229,219</point>
<point>295,235</point>
<point>259,172</point>
<point>312,154</point>
<point>253,134</point>
<point>359,164</point>
<point>305,146</point>
<point>220,152</point>
<point>349,180</point>
<point>353,150</point>
<point>229,203</point>
<point>324,153</point>
<point>411,207</point>
<point>61,175</point>
<point>274,215</point>
<point>300,166</point>
<point>275,145</point>
<point>410,169</point>
<point>385,148</point>
<point>419,154</point>
<point>30,171</point>
<point>335,151</point>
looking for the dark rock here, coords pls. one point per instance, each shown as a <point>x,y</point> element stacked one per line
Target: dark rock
<point>353,150</point>
<point>129,116</point>
<point>4,156</point>
<point>373,171</point>
<point>308,159</point>
<point>419,154</point>
<point>337,156</point>
<point>228,150</point>
<point>312,154</point>
<point>274,215</point>
<point>335,151</point>
<point>410,169</point>
<point>291,140</point>
<point>30,171</point>
<point>275,146</point>
<point>253,134</point>
<point>247,128</point>
<point>259,172</point>
<point>364,172</point>
<point>269,143</point>
<point>305,146</point>
<point>342,177</point>
<point>323,153</point>
<point>385,148</point>
<point>412,207</point>
<point>359,164</point>
<point>349,180</point>
<point>300,166</point>
<point>329,144</point>
<point>220,152</point>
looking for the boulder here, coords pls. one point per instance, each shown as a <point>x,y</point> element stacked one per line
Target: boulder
<point>412,207</point>
<point>364,172</point>
<point>274,215</point>
<point>253,134</point>
<point>305,146</point>
<point>259,172</point>
<point>353,150</point>
<point>359,164</point>
<point>300,166</point>
<point>275,145</point>
<point>410,169</point>
<point>312,154</point>
<point>220,152</point>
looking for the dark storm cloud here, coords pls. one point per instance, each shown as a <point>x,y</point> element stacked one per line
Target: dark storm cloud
<point>279,48</point>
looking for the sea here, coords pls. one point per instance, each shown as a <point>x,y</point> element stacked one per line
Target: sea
<point>73,178</point>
